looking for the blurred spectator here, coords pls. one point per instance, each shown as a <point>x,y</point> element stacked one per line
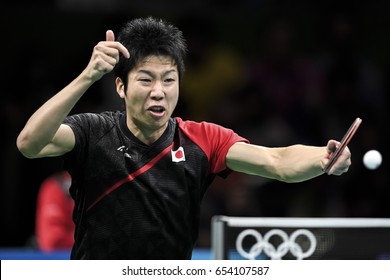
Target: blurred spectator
<point>54,226</point>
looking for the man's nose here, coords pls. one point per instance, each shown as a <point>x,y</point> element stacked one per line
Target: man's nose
<point>157,91</point>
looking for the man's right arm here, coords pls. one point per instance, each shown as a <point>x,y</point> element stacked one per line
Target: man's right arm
<point>44,133</point>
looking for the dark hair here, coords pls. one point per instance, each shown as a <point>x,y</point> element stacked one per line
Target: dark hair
<point>149,36</point>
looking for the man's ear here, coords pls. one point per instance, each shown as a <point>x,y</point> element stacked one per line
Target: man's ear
<point>120,87</point>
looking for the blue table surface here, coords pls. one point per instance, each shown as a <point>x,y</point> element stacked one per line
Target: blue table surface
<point>34,254</point>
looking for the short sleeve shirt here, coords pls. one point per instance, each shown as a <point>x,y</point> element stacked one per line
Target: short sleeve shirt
<point>134,201</point>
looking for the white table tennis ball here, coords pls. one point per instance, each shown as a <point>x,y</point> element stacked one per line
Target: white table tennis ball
<point>372,159</point>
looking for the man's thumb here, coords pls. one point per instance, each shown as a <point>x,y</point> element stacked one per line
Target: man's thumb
<point>110,35</point>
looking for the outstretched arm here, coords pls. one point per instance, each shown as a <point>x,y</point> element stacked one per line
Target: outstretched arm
<point>44,134</point>
<point>289,164</point>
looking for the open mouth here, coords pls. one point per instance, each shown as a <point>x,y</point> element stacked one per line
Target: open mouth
<point>157,109</point>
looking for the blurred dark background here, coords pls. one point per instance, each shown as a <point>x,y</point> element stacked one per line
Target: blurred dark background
<point>277,72</point>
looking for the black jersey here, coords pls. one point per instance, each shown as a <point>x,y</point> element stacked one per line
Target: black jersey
<point>134,201</point>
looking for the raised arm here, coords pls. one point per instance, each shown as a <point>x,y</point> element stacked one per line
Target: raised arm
<point>44,134</point>
<point>289,164</point>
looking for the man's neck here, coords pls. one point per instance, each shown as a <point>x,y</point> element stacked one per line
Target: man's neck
<point>146,135</point>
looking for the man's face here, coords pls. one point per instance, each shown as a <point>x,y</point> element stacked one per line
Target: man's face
<point>152,94</point>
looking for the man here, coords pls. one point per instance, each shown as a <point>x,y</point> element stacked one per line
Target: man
<point>138,176</point>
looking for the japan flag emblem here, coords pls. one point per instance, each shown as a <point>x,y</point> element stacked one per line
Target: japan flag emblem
<point>178,155</point>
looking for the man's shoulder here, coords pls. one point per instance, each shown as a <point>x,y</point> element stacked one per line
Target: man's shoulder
<point>91,118</point>
<point>198,126</point>
<point>108,116</point>
<point>94,125</point>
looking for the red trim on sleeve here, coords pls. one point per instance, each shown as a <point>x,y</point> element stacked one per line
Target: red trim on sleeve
<point>213,139</point>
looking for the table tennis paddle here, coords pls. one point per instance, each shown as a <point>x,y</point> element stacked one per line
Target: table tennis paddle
<point>343,143</point>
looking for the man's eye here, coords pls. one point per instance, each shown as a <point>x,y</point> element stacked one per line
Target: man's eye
<point>169,80</point>
<point>145,80</point>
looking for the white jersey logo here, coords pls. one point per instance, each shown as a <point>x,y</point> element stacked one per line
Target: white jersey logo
<point>178,155</point>
<point>123,149</point>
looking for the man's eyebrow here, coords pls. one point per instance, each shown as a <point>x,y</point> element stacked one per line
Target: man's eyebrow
<point>150,73</point>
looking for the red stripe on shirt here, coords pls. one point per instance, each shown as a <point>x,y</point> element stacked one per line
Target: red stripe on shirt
<point>133,175</point>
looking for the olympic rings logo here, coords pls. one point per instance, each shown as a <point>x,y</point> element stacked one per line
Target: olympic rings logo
<point>288,244</point>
